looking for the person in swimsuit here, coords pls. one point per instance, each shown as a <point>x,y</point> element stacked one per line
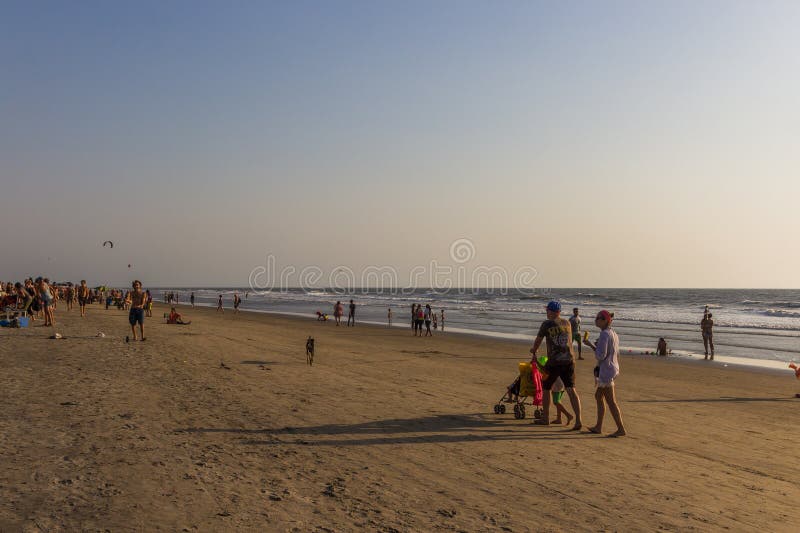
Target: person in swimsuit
<point>176,318</point>
<point>83,297</point>
<point>707,327</point>
<point>442,321</point>
<point>219,305</point>
<point>338,310</point>
<point>137,300</point>
<point>236,301</point>
<point>389,316</point>
<point>46,301</point>
<point>427,317</point>
<point>352,314</point>
<point>148,303</point>
<point>191,300</point>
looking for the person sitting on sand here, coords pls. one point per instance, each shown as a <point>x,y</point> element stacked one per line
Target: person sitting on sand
<point>176,318</point>
<point>557,332</point>
<point>662,347</point>
<point>606,351</point>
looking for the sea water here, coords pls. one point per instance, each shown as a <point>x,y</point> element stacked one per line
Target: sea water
<point>752,324</point>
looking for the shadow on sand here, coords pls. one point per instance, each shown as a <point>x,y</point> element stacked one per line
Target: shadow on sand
<point>428,429</point>
<point>715,400</point>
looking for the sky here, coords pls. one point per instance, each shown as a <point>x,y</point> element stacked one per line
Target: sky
<point>603,144</point>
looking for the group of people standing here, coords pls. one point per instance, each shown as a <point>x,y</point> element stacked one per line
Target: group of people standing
<point>338,313</point>
<point>38,298</point>
<point>559,367</point>
<point>423,316</point>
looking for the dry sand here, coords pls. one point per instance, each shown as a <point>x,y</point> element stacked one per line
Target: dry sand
<point>386,432</point>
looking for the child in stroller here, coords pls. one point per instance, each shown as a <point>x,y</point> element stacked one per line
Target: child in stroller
<point>525,390</point>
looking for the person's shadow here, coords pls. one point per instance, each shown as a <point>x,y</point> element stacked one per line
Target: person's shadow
<point>437,428</point>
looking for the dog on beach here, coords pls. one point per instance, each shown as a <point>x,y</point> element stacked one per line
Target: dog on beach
<point>310,351</point>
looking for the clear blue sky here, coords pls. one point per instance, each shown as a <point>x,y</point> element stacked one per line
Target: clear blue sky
<point>604,143</point>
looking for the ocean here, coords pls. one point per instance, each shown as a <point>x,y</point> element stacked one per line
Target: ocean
<point>752,324</point>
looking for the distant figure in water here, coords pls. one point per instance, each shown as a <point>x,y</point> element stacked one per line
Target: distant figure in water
<point>706,326</point>
<point>427,316</point>
<point>338,310</point>
<point>414,317</point>
<point>236,302</point>
<point>442,319</point>
<point>435,321</point>
<point>662,347</point>
<point>219,305</point>
<point>352,314</point>
<point>191,299</point>
<point>389,316</point>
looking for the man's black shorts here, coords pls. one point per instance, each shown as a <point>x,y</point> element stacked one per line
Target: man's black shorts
<point>565,371</point>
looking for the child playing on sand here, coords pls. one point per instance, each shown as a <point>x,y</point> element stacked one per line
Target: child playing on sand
<point>606,351</point>
<point>176,318</point>
<point>557,392</point>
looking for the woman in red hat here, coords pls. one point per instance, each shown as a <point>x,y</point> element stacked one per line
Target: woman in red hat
<point>606,351</point>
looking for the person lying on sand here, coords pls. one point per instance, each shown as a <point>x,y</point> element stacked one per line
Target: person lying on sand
<point>176,318</point>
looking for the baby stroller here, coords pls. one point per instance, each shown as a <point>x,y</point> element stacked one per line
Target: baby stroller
<point>526,390</point>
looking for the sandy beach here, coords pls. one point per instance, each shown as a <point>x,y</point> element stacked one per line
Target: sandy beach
<point>221,426</point>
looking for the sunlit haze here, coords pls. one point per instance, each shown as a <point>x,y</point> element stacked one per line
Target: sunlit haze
<point>605,144</point>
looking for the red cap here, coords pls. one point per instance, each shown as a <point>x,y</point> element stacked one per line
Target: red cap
<point>605,315</point>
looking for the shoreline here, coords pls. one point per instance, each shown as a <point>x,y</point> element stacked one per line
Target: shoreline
<point>768,365</point>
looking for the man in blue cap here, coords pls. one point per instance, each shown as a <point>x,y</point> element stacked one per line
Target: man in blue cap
<point>557,332</point>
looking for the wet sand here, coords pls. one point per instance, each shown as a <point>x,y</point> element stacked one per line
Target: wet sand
<point>221,425</point>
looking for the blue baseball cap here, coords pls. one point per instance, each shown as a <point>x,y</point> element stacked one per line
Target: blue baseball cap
<point>554,306</point>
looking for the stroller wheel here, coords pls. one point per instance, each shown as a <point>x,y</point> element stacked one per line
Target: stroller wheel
<point>502,409</point>
<point>537,414</point>
<point>522,411</point>
<point>516,411</point>
<point>497,409</point>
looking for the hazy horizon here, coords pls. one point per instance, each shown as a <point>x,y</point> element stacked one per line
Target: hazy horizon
<point>619,144</point>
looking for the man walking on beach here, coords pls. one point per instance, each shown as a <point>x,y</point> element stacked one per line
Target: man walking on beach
<point>352,314</point>
<point>557,332</point>
<point>706,326</point>
<point>136,299</point>
<point>575,323</point>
